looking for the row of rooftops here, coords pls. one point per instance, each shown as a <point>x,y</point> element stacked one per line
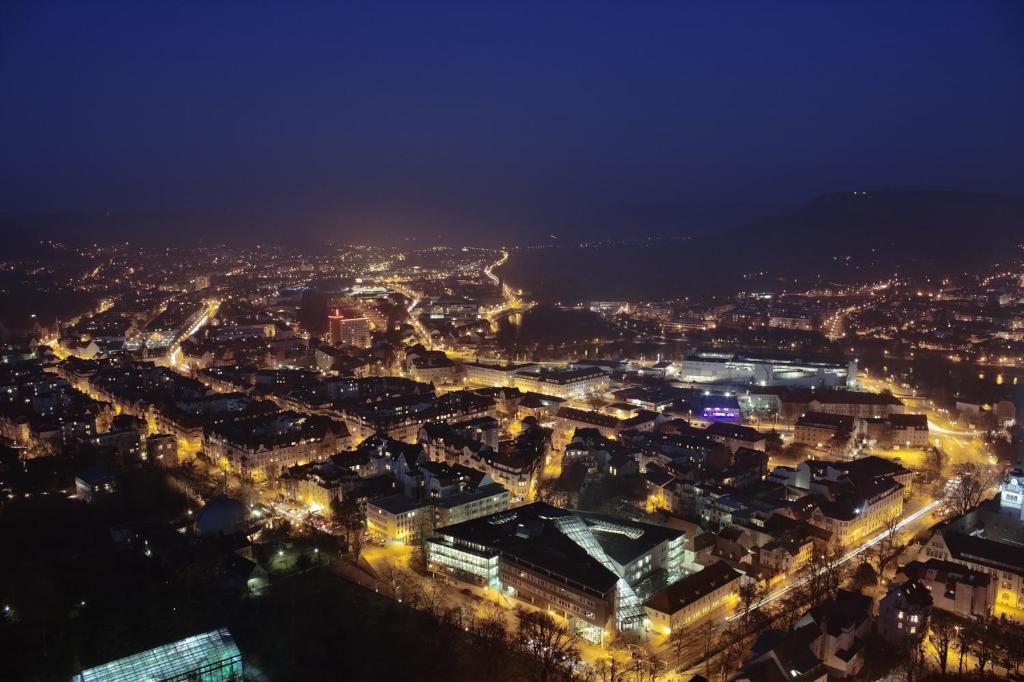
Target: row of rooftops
<point>843,423</point>
<point>401,503</point>
<point>562,376</point>
<point>805,396</point>
<point>842,489</point>
<point>598,419</point>
<point>275,430</point>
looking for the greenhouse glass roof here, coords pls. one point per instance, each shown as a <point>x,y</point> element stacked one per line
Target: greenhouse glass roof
<point>208,657</point>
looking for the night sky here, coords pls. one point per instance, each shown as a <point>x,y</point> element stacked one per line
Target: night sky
<point>339,118</point>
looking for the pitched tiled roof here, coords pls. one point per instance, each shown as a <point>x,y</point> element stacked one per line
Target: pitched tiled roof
<point>692,587</point>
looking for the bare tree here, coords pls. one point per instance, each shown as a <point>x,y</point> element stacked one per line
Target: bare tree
<point>942,631</point>
<point>553,651</point>
<point>1010,645</point>
<point>412,592</point>
<point>970,482</point>
<point>392,579</point>
<point>751,592</point>
<point>706,633</point>
<point>730,651</point>
<point>982,639</point>
<point>545,489</point>
<point>791,606</point>
<point>884,551</point>
<point>492,610</point>
<point>423,530</point>
<point>824,572</point>
<point>453,617</point>
<point>433,599</point>
<point>646,667</point>
<point>864,576</point>
<point>609,670</point>
<point>961,642</point>
<point>910,659</point>
<point>492,648</point>
<point>680,642</point>
<point>351,516</point>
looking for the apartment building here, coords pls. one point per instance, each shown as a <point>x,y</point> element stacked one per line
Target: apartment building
<point>262,447</point>
<point>564,383</point>
<point>692,598</point>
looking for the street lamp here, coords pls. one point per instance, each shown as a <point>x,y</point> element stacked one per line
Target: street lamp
<point>961,640</point>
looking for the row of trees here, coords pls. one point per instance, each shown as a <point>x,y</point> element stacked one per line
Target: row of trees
<point>722,647</point>
<point>818,579</point>
<point>538,643</point>
<point>985,643</point>
<point>540,648</point>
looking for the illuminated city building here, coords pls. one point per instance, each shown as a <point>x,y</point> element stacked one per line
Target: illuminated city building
<point>855,404</point>
<point>568,419</point>
<point>954,587</point>
<point>1011,494</point>
<point>483,374</point>
<point>348,330</point>
<point>850,500</point>
<point>588,568</point>
<point>908,430</point>
<point>162,449</point>
<point>316,485</point>
<point>433,369</point>
<point>904,611</point>
<point>761,370</point>
<point>799,323</point>
<point>836,434</point>
<point>398,518</point>
<point>562,382</point>
<point>692,598</point>
<point>989,539</point>
<point>262,447</point>
<point>719,407</point>
<point>735,436</point>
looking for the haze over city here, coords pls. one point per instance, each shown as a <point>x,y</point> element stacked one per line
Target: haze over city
<point>560,342</point>
<point>491,122</point>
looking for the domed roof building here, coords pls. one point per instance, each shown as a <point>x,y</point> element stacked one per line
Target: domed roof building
<point>222,516</point>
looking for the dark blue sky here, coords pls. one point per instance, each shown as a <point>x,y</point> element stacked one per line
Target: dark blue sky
<point>494,116</point>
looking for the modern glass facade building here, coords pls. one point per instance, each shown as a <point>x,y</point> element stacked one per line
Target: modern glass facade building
<point>207,657</point>
<point>592,569</point>
<point>764,370</point>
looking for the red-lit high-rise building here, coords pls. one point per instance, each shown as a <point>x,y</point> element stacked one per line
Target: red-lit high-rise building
<point>347,329</point>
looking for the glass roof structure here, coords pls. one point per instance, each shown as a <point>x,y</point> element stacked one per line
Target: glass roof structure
<point>207,657</point>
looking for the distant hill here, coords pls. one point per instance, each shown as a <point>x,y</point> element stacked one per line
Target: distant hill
<point>24,232</point>
<point>922,231</point>
<point>839,237</point>
<point>414,228</point>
